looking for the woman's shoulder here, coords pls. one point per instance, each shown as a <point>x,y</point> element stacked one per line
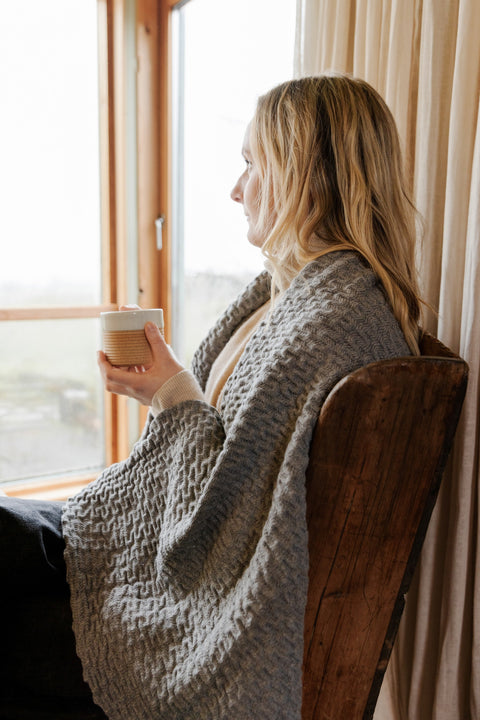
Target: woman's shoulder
<point>330,284</point>
<point>339,267</point>
<point>338,296</point>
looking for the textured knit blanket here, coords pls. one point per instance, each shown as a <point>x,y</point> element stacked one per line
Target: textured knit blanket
<point>188,562</point>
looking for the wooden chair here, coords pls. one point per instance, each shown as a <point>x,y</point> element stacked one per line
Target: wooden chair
<point>376,461</point>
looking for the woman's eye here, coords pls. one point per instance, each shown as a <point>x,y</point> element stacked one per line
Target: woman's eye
<point>248,163</point>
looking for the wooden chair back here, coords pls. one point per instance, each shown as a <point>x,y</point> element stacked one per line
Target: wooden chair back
<point>376,461</point>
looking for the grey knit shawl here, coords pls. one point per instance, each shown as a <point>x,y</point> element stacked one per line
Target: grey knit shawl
<point>188,562</point>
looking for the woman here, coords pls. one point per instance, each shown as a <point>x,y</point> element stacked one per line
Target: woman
<point>187,563</point>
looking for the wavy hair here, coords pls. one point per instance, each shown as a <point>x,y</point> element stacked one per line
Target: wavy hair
<point>331,170</point>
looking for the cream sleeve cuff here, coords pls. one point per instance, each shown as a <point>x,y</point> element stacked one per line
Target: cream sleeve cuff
<point>180,387</point>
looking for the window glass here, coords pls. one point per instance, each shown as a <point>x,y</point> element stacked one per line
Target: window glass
<point>49,170</point>
<point>227,54</point>
<point>51,401</point>
<point>51,414</point>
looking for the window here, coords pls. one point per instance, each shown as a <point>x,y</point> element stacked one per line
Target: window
<point>69,228</point>
<point>51,404</point>
<point>224,55</point>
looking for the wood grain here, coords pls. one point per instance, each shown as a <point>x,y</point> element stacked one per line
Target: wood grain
<point>377,456</point>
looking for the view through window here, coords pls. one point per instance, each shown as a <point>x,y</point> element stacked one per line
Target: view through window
<point>226,54</point>
<point>51,415</point>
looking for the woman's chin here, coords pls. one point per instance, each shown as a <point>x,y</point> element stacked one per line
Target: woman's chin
<point>254,239</point>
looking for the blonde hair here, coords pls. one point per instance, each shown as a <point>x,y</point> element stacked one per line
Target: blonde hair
<point>332,178</point>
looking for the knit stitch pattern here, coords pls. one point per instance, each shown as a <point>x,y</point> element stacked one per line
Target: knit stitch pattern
<point>188,562</point>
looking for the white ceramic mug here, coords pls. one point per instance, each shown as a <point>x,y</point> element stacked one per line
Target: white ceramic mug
<point>124,340</point>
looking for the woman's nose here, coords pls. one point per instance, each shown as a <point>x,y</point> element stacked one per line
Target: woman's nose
<point>237,192</point>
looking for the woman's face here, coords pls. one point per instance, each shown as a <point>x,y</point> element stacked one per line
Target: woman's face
<point>247,192</point>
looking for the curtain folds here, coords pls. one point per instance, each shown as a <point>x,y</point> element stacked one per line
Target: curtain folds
<point>423,56</point>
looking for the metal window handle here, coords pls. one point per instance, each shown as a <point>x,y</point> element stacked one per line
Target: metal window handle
<point>159,229</point>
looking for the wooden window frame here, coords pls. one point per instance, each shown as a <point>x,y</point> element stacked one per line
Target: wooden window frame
<point>153,163</point>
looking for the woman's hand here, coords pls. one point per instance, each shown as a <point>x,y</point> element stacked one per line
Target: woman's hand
<point>140,382</point>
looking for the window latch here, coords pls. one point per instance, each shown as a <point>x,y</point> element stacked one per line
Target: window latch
<point>159,230</point>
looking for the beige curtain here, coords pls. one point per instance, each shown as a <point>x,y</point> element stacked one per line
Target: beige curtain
<point>424,58</point>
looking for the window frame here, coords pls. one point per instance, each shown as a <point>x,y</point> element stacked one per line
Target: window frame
<point>152,200</point>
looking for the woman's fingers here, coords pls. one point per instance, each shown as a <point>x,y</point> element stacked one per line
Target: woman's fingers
<point>162,354</point>
<point>155,340</point>
<point>113,377</point>
<point>141,382</point>
<point>123,381</point>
